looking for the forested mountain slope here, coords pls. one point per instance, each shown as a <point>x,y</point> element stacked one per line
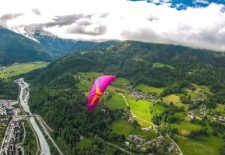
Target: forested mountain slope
<point>15,48</point>
<point>59,47</point>
<point>153,64</point>
<point>55,94</point>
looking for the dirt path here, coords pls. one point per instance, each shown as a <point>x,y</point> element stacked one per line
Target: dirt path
<point>180,152</point>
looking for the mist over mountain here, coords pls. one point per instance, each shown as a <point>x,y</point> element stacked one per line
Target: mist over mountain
<point>152,71</point>
<point>178,22</point>
<point>15,48</point>
<point>59,46</point>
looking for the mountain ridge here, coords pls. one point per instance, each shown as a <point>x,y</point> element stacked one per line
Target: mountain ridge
<point>177,70</point>
<point>16,48</point>
<point>59,46</point>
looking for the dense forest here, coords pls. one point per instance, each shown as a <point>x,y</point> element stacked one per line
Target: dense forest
<point>55,96</point>
<point>63,105</point>
<point>8,89</point>
<point>59,47</point>
<point>136,61</point>
<point>17,48</point>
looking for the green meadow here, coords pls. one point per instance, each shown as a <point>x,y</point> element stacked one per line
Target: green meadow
<point>116,102</point>
<point>173,99</point>
<point>140,108</point>
<point>148,89</point>
<point>206,146</point>
<point>161,65</point>
<point>18,69</point>
<point>84,143</point>
<point>144,110</point>
<point>184,128</point>
<point>123,127</point>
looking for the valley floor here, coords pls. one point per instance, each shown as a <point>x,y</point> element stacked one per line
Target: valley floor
<point>141,107</point>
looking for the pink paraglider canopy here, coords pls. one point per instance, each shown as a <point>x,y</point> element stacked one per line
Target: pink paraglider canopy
<point>98,88</point>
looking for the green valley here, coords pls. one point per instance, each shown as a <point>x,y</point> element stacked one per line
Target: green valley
<point>150,104</point>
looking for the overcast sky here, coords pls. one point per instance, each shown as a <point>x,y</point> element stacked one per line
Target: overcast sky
<point>118,19</point>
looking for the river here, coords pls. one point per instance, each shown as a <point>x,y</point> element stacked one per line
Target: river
<point>24,96</point>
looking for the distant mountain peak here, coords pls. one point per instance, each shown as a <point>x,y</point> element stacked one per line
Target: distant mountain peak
<point>30,32</point>
<point>15,47</point>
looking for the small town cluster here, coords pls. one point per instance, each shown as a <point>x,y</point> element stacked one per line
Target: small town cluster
<point>14,134</point>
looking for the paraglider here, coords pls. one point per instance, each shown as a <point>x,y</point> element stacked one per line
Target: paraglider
<point>98,88</point>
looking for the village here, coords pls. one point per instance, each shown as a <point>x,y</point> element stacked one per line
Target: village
<point>138,95</point>
<point>144,145</point>
<point>196,112</point>
<point>15,132</point>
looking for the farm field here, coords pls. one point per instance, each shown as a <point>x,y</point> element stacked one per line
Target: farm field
<point>116,102</point>
<point>122,127</point>
<point>146,109</point>
<point>185,128</point>
<point>140,108</point>
<point>206,146</point>
<point>161,65</point>
<point>125,128</point>
<point>173,99</point>
<point>18,69</point>
<point>148,89</point>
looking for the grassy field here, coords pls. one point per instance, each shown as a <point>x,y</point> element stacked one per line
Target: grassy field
<point>157,108</point>
<point>89,77</point>
<point>125,128</point>
<point>220,108</point>
<point>174,99</point>
<point>84,143</point>
<point>202,91</point>
<point>91,74</point>
<point>18,69</point>
<point>144,109</point>
<point>120,82</point>
<point>116,102</point>
<point>122,127</point>
<point>207,146</point>
<point>140,108</point>
<point>147,89</point>
<point>116,89</point>
<point>161,65</point>
<point>185,128</point>
<point>149,135</point>
<point>84,85</point>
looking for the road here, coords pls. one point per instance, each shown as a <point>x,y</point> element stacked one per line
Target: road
<point>11,135</point>
<point>124,98</point>
<point>24,96</point>
<point>43,125</point>
<point>180,152</point>
<point>118,147</point>
<point>5,139</point>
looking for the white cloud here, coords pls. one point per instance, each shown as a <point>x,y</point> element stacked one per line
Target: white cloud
<point>120,19</point>
<point>36,11</point>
